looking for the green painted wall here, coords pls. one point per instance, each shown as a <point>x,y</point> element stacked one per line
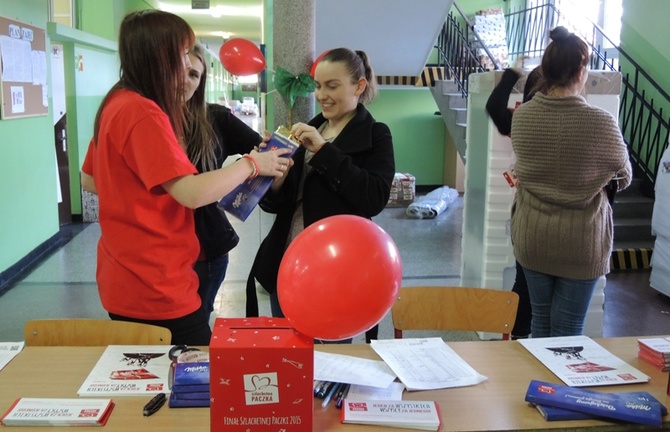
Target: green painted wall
<point>93,16</point>
<point>642,40</point>
<point>418,134</point>
<point>86,90</point>
<point>644,37</point>
<point>29,209</point>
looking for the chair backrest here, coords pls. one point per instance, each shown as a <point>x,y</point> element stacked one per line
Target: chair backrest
<point>454,308</point>
<point>93,332</point>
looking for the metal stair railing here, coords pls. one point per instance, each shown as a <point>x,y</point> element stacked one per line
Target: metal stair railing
<point>457,46</point>
<point>645,128</point>
<point>643,125</point>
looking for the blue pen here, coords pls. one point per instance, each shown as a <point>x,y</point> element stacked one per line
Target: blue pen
<point>343,394</point>
<point>331,392</point>
<point>317,387</point>
<point>324,389</point>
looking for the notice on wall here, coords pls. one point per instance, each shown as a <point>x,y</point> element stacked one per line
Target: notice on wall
<point>23,88</point>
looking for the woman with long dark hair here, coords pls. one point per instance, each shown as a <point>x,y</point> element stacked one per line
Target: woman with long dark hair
<point>147,186</point>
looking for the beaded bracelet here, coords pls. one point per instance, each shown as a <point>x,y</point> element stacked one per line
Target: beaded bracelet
<point>254,165</point>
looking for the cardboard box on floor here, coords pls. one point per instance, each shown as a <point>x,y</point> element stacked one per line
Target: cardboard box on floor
<point>261,376</point>
<point>402,190</point>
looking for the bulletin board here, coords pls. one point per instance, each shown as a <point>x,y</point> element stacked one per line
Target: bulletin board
<point>23,57</point>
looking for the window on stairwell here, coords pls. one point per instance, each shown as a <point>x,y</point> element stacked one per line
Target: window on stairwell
<point>605,14</point>
<point>580,16</point>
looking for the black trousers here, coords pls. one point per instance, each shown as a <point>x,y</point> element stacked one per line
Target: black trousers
<point>191,329</point>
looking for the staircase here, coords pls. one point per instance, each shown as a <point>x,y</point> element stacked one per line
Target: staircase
<point>453,108</point>
<point>633,242</point>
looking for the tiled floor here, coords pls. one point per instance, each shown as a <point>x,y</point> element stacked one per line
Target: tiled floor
<point>63,285</point>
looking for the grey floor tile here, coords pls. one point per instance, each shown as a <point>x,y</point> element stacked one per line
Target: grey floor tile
<point>34,300</point>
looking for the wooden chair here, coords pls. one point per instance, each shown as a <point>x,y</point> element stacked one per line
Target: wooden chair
<point>93,332</point>
<point>454,308</point>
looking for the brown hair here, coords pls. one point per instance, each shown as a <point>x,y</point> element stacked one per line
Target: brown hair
<point>358,65</point>
<point>151,51</point>
<point>563,59</point>
<point>199,135</point>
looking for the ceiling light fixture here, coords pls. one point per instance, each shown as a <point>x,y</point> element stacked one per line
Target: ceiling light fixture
<point>252,11</point>
<point>222,34</point>
<point>199,4</point>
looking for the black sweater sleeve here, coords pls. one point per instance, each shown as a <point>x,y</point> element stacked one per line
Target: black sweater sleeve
<point>533,82</point>
<point>496,105</point>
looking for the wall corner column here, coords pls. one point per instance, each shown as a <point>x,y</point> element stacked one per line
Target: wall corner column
<point>294,41</point>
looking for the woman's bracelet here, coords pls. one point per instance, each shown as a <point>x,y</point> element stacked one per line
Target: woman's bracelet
<point>254,166</point>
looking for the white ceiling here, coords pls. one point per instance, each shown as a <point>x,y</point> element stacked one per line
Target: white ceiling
<point>239,18</point>
<point>398,35</point>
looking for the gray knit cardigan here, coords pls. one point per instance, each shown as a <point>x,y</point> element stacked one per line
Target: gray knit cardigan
<point>566,152</point>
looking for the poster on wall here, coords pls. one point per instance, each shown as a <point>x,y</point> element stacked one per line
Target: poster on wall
<point>23,82</point>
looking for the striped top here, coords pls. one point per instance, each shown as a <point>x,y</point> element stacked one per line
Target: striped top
<point>566,152</point>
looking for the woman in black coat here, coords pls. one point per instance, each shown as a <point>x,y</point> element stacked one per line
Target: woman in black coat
<point>345,165</point>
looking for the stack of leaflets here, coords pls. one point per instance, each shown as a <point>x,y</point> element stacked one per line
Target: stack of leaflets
<point>129,370</point>
<point>558,400</point>
<point>190,385</point>
<point>655,351</point>
<point>58,412</point>
<point>422,415</point>
<point>580,362</point>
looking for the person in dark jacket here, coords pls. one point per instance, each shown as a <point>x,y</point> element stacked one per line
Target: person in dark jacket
<point>213,133</point>
<point>345,165</point>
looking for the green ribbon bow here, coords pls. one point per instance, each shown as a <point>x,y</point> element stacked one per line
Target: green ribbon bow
<point>290,86</point>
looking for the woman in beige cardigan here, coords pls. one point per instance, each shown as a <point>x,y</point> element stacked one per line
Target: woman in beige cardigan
<point>566,151</point>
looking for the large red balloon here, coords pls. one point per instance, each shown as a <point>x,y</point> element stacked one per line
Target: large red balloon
<point>241,57</point>
<point>339,277</point>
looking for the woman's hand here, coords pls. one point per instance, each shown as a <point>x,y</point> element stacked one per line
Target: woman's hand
<point>308,137</point>
<point>271,163</point>
<point>266,137</point>
<point>279,181</point>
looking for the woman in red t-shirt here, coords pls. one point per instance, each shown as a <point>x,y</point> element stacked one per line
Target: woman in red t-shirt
<point>148,188</point>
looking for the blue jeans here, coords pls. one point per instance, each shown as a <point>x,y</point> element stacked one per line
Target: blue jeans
<point>210,274</point>
<point>559,304</point>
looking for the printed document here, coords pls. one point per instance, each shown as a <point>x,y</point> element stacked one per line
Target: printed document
<point>579,361</point>
<point>9,350</point>
<point>129,370</point>
<point>426,364</point>
<point>352,370</point>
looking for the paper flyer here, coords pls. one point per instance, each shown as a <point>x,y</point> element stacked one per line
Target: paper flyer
<point>580,362</point>
<point>129,370</point>
<point>9,350</point>
<point>425,364</point>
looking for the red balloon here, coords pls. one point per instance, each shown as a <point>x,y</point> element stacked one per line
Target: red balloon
<point>339,277</point>
<point>312,70</point>
<point>241,57</point>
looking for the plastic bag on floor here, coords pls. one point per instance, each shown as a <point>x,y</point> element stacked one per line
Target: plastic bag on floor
<point>432,204</point>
